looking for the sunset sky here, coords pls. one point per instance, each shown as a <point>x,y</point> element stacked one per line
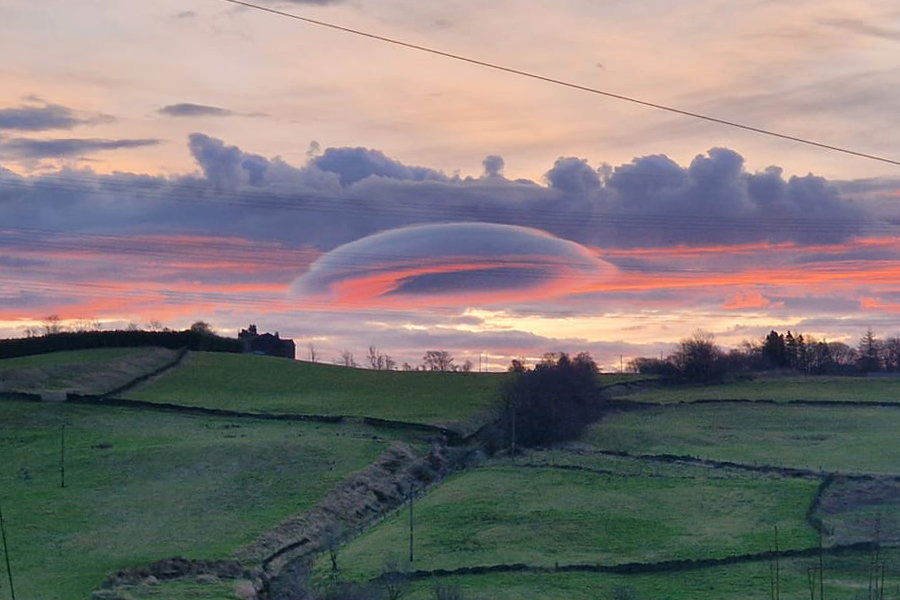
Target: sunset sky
<point>178,161</point>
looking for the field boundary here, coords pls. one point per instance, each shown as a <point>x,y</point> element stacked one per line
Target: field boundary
<point>179,356</point>
<point>643,404</point>
<point>21,397</point>
<point>795,472</point>
<point>453,437</point>
<point>104,400</point>
<point>636,568</point>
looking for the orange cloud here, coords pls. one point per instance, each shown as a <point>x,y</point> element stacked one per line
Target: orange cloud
<point>875,304</point>
<point>745,299</point>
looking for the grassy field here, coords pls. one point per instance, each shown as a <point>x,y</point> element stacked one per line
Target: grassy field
<point>68,357</point>
<point>275,385</point>
<point>831,438</point>
<point>184,590</point>
<point>143,486</point>
<point>845,578</point>
<point>857,389</point>
<point>540,516</point>
<point>88,371</point>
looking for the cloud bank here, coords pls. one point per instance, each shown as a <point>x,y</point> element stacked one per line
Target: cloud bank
<point>48,116</point>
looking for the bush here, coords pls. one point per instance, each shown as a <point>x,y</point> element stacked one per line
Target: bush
<point>554,401</point>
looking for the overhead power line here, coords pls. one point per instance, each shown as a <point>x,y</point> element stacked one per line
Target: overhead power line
<point>561,82</point>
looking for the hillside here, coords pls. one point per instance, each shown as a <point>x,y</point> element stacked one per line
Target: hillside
<point>652,485</point>
<point>95,371</point>
<point>264,384</point>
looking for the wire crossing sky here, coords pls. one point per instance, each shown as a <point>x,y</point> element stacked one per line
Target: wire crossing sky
<point>567,84</point>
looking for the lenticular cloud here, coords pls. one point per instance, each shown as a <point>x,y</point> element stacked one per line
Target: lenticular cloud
<point>452,263</point>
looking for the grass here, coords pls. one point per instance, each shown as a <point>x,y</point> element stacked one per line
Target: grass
<point>540,516</point>
<point>68,357</point>
<point>846,578</point>
<point>855,439</point>
<point>781,389</point>
<point>274,385</point>
<point>143,486</point>
<point>184,590</point>
<point>87,371</point>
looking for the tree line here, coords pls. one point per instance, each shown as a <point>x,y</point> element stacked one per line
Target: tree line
<point>699,359</point>
<point>56,338</point>
<point>432,360</point>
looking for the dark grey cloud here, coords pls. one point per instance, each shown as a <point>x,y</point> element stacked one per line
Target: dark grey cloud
<point>493,166</point>
<point>48,116</point>
<point>573,176</point>
<point>31,149</point>
<point>186,109</point>
<point>348,193</point>
<point>355,164</point>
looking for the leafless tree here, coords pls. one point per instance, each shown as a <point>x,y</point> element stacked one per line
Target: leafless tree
<point>437,360</point>
<point>467,366</point>
<point>32,332</point>
<point>376,361</point>
<point>346,359</point>
<point>87,325</point>
<point>155,326</point>
<point>312,353</point>
<point>892,353</point>
<point>52,324</point>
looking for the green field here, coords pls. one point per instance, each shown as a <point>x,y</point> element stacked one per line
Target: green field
<point>846,578</point>
<point>541,516</point>
<point>93,371</point>
<point>275,385</point>
<point>142,486</point>
<point>844,439</point>
<point>68,357</point>
<point>781,389</point>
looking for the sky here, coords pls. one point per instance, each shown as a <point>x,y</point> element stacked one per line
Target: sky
<point>195,160</point>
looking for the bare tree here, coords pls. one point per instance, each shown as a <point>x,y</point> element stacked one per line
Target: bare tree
<point>389,363</point>
<point>467,366</point>
<point>892,353</point>
<point>407,367</point>
<point>437,360</point>
<point>32,332</point>
<point>346,359</point>
<point>83,325</point>
<point>52,324</point>
<point>155,325</point>
<point>375,359</point>
<point>312,353</point>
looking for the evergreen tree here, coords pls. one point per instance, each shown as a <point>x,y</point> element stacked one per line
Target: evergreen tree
<point>773,350</point>
<point>869,348</point>
<point>790,349</point>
